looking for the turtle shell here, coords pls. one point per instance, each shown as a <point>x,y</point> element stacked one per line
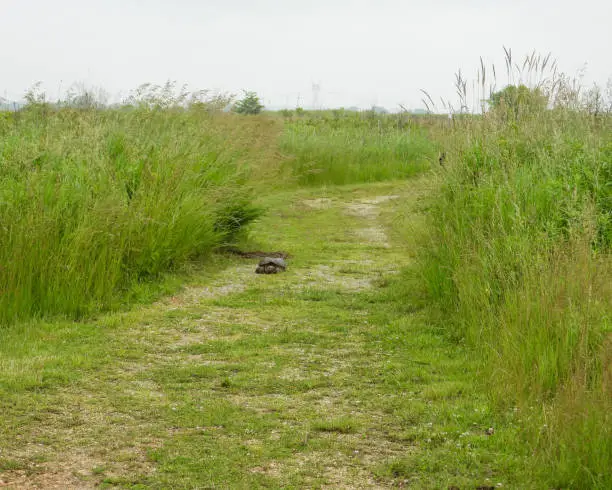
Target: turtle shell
<point>271,265</point>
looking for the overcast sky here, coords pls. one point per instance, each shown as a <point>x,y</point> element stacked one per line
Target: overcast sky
<point>360,52</point>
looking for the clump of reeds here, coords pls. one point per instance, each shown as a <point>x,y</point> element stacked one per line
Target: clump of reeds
<point>519,261</point>
<point>94,199</point>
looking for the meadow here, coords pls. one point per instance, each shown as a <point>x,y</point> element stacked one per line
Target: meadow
<point>340,147</point>
<point>444,322</point>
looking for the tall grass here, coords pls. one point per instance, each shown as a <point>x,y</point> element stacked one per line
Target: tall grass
<point>93,200</point>
<point>519,265</point>
<point>340,148</point>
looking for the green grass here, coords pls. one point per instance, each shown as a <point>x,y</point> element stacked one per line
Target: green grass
<point>94,202</point>
<point>415,316</point>
<point>518,262</point>
<point>344,148</point>
<point>323,375</point>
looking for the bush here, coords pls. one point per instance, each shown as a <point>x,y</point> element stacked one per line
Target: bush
<point>249,104</point>
<point>513,101</point>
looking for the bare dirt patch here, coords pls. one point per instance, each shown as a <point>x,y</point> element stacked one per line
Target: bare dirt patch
<point>73,471</point>
<point>379,199</point>
<point>56,478</point>
<point>341,471</point>
<point>271,469</point>
<point>373,234</point>
<point>327,277</point>
<point>367,208</point>
<point>320,203</point>
<point>234,280</point>
<point>362,210</point>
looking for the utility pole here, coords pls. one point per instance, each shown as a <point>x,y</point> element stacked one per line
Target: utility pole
<point>316,89</point>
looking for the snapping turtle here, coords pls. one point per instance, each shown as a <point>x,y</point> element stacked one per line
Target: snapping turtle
<point>271,265</point>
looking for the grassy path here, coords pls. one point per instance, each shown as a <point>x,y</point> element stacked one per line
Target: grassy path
<point>321,377</point>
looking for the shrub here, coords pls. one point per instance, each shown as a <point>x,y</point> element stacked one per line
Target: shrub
<point>249,104</point>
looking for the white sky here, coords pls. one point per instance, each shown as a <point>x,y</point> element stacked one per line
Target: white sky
<point>361,52</point>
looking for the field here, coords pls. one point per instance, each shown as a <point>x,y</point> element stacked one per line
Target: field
<point>444,321</point>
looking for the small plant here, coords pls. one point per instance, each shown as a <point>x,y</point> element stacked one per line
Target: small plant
<point>249,104</point>
<point>35,95</point>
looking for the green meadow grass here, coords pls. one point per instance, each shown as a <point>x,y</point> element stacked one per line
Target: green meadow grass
<point>345,148</point>
<point>94,202</point>
<point>416,315</point>
<point>518,262</point>
<point>325,375</point>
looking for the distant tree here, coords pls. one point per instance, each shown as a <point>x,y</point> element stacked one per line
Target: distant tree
<point>249,104</point>
<point>379,110</point>
<point>515,100</point>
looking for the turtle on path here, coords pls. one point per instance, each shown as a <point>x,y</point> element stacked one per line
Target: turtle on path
<point>271,265</point>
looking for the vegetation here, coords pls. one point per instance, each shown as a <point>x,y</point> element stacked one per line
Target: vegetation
<point>322,375</point>
<point>519,265</point>
<point>94,201</point>
<point>249,104</point>
<point>513,101</point>
<point>451,329</point>
<point>342,147</point>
